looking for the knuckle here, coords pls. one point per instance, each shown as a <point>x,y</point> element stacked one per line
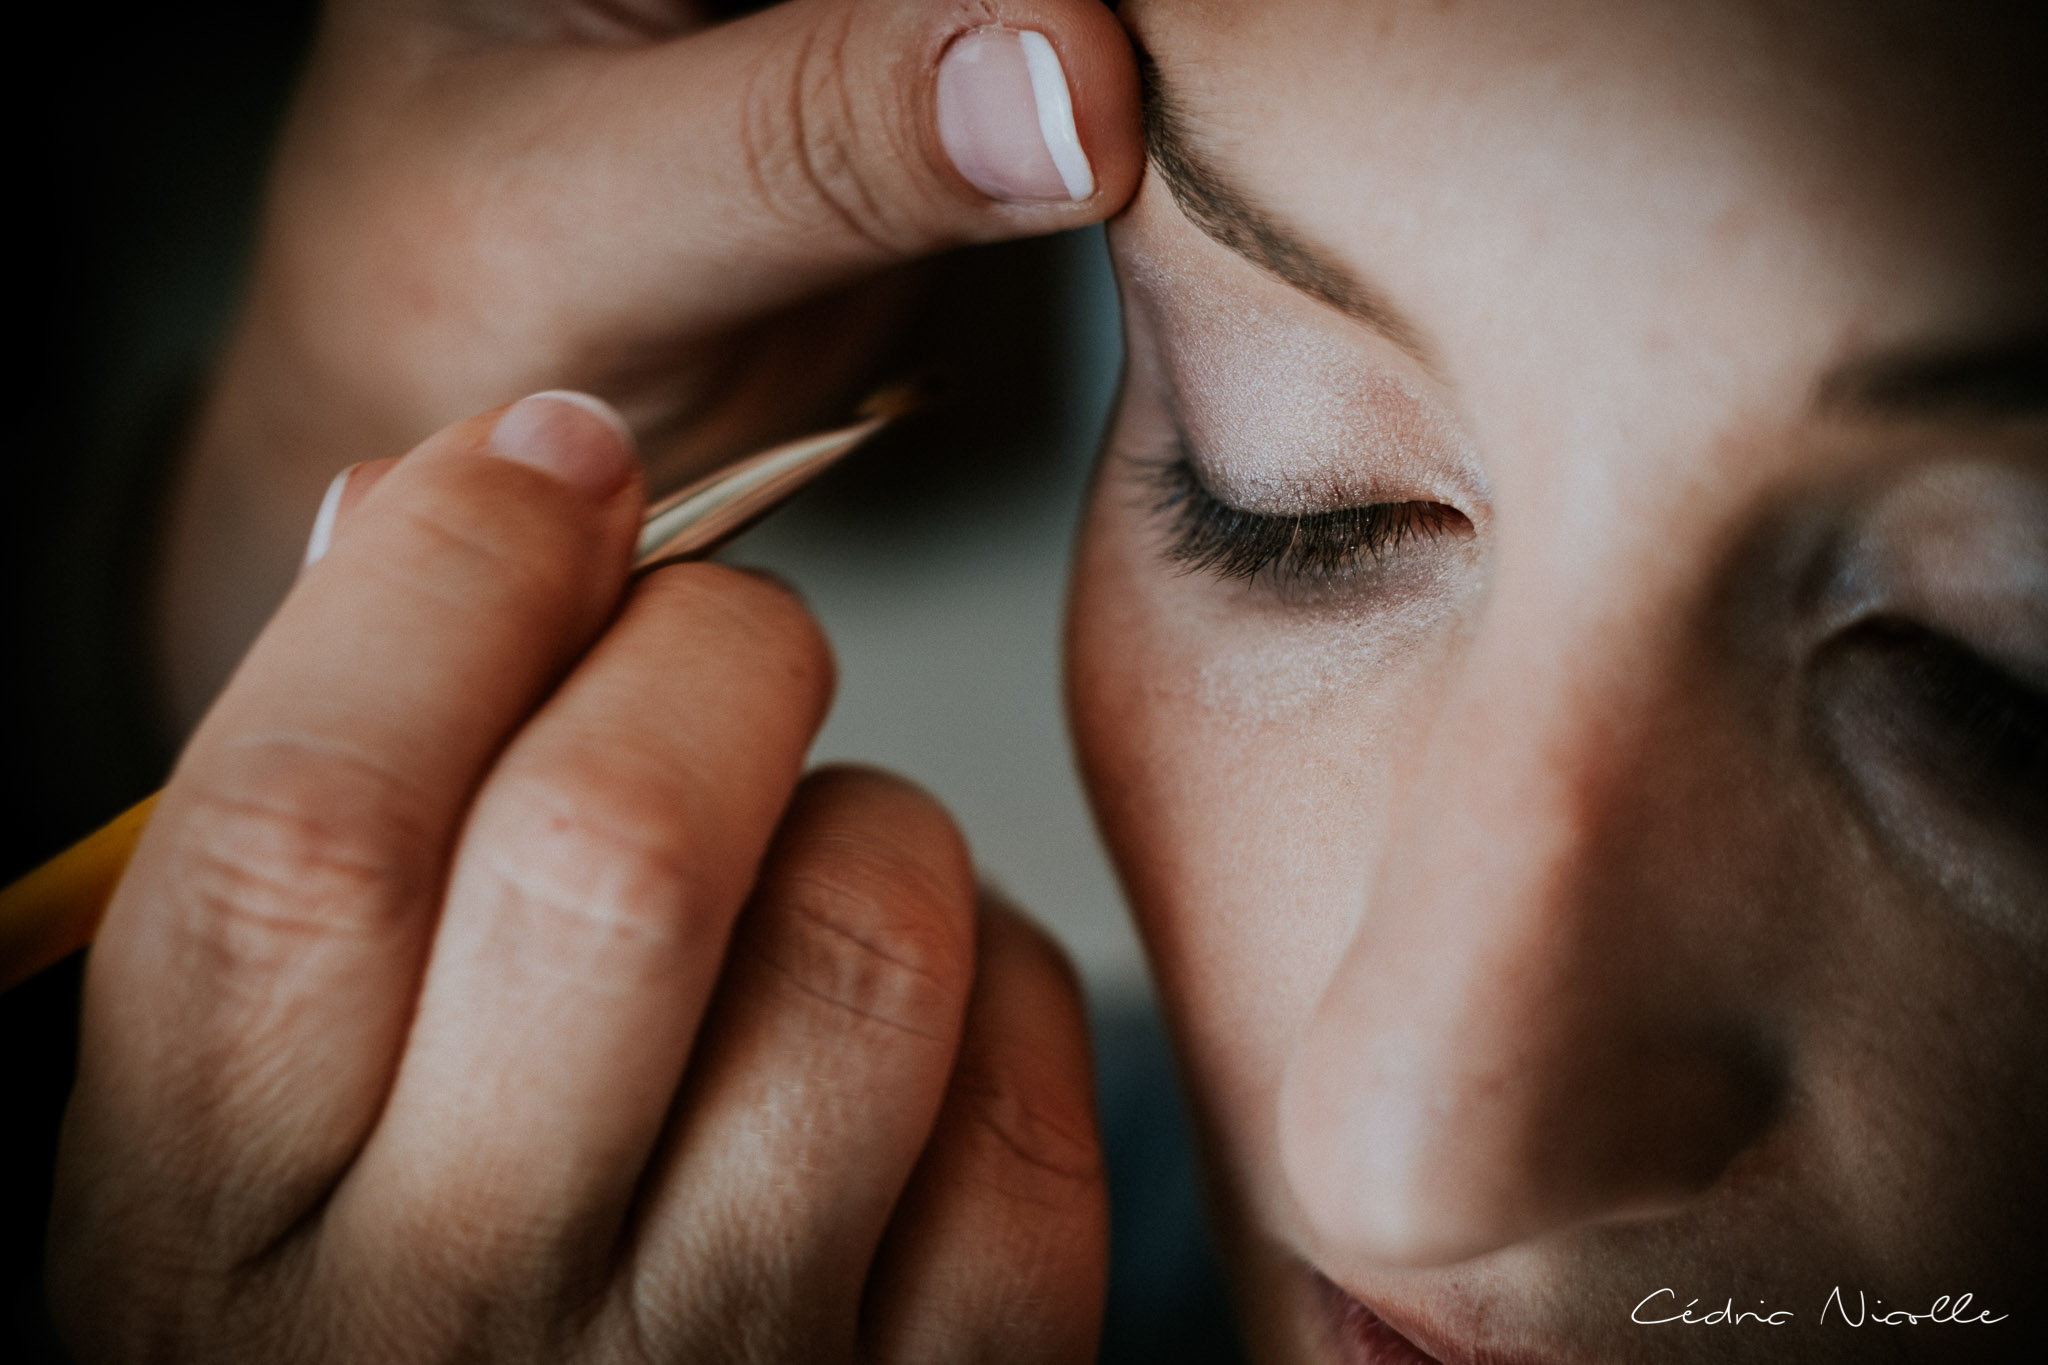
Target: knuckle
<point>592,861</point>
<point>871,930</point>
<point>290,843</point>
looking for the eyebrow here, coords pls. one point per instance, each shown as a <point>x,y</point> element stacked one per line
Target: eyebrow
<point>1234,220</point>
<point>2003,379</point>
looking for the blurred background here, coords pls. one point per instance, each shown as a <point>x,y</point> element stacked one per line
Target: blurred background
<point>936,559</point>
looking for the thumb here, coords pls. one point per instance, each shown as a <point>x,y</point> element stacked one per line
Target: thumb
<point>1005,117</point>
<point>819,140</point>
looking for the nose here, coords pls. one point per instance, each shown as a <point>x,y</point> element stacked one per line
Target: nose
<point>1554,1011</point>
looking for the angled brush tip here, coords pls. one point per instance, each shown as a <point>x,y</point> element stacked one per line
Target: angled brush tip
<point>900,399</point>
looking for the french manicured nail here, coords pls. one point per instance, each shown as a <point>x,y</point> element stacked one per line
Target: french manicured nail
<point>570,436</point>
<point>1006,117</point>
<point>339,503</point>
<point>323,520</point>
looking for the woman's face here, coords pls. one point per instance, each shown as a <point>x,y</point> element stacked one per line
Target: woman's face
<point>1560,652</point>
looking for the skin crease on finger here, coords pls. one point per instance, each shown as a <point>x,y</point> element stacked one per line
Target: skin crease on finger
<point>1635,881</point>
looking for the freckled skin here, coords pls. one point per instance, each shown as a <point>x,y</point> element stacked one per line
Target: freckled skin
<point>1635,885</point>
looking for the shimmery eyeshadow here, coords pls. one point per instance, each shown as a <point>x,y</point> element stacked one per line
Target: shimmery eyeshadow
<point>1286,410</point>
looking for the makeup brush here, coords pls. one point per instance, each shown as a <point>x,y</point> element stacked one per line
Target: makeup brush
<point>694,521</point>
<point>55,910</point>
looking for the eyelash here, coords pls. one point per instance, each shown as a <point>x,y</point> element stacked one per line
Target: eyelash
<point>1211,536</point>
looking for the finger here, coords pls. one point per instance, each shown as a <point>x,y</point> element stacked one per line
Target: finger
<point>999,1250</point>
<point>587,918</point>
<point>339,504</point>
<point>759,162</point>
<point>817,1078</point>
<point>843,135</point>
<point>255,972</point>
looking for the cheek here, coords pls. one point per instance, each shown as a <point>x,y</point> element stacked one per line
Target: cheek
<point>1240,771</point>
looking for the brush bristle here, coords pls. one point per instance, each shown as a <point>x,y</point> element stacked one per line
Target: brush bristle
<point>896,400</point>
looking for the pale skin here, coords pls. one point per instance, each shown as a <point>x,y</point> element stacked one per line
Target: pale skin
<point>1630,876</point>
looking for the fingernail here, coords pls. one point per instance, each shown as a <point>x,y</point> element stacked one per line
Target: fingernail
<point>1006,117</point>
<point>323,520</point>
<point>571,436</point>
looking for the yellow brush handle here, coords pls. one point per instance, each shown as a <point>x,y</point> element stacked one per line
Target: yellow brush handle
<point>55,910</point>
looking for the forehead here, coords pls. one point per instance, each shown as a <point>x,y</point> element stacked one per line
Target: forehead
<point>1864,149</point>
<point>1635,234</point>
<point>1916,72</point>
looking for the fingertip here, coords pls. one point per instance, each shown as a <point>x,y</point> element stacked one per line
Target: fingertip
<point>576,438</point>
<point>901,805</point>
<point>1102,72</point>
<point>1006,118</point>
<point>343,496</point>
<point>1042,109</point>
<point>783,636</point>
<point>896,832</point>
<point>592,404</point>
<point>323,520</point>
<point>1007,931</point>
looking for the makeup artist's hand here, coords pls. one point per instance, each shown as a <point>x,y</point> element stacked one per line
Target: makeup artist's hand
<point>488,986</point>
<point>475,199</point>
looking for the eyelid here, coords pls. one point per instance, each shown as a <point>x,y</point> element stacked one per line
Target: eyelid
<point>1296,412</point>
<point>1212,536</point>
<point>1961,546</point>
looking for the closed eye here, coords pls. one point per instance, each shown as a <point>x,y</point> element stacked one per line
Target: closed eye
<point>1917,702</point>
<point>1209,535</point>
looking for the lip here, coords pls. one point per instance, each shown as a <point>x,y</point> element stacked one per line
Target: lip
<point>1363,1337</point>
<point>1366,1334</point>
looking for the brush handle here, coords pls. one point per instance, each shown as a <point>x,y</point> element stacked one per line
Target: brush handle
<point>55,910</point>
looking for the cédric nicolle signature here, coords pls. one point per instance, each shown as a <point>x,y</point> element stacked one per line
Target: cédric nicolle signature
<point>1660,1307</point>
